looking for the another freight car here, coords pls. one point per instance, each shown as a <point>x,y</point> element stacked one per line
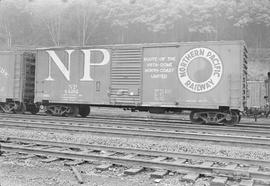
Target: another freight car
<point>267,87</point>
<point>267,95</point>
<point>257,104</point>
<point>256,94</point>
<point>207,78</point>
<point>17,81</point>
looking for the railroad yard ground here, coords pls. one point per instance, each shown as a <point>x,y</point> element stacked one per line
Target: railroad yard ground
<point>32,172</point>
<point>17,170</point>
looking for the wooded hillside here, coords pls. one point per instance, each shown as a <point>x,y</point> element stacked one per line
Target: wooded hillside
<point>36,23</point>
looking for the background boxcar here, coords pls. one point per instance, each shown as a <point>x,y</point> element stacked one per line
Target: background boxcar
<point>267,87</point>
<point>256,94</point>
<point>17,73</point>
<point>267,95</point>
<point>208,78</point>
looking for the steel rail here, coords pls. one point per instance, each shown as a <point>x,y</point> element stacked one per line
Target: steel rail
<point>169,165</point>
<point>217,138</point>
<point>96,116</point>
<point>166,120</point>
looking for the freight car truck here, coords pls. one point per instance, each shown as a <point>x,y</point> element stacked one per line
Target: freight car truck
<point>207,78</point>
<point>17,73</point>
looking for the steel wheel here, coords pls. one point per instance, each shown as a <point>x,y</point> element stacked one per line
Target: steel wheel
<point>194,117</point>
<point>233,120</point>
<point>20,109</point>
<point>34,109</point>
<point>74,111</point>
<point>84,110</point>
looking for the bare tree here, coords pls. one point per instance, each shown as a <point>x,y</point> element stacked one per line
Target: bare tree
<point>5,33</point>
<point>53,25</point>
<point>51,15</point>
<point>88,17</point>
<point>5,27</point>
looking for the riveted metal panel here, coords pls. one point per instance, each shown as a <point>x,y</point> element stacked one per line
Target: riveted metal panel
<point>126,75</point>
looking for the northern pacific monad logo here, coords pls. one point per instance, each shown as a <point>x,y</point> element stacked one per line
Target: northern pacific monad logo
<point>200,70</point>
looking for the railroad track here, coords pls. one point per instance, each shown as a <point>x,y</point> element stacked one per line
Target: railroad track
<point>249,137</point>
<point>263,130</point>
<point>231,168</point>
<point>153,125</point>
<point>132,119</point>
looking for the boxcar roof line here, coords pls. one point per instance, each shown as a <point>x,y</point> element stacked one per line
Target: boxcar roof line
<point>146,45</point>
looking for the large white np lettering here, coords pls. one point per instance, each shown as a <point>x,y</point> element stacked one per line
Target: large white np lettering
<point>87,63</point>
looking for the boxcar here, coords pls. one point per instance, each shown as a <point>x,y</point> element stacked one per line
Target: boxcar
<point>267,94</point>
<point>17,73</point>
<point>207,78</point>
<point>256,94</point>
<point>267,88</point>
